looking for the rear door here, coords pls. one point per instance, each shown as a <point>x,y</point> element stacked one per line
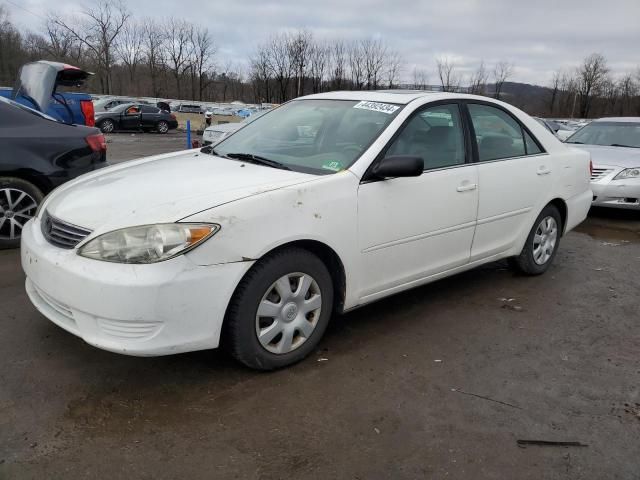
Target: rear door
<point>150,116</point>
<point>515,175</point>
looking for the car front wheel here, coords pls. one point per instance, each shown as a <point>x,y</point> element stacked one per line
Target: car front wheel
<point>542,243</point>
<point>19,201</point>
<point>280,310</point>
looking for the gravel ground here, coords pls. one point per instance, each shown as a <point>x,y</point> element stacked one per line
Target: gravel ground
<point>438,382</point>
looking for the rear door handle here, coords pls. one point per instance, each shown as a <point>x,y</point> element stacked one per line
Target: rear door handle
<point>543,170</point>
<point>466,187</point>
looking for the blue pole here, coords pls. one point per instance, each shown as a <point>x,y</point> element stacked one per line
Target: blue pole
<point>188,134</point>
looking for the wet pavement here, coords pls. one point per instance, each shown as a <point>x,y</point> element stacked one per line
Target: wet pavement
<point>438,382</point>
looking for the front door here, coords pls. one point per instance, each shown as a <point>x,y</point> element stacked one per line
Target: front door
<point>412,228</point>
<point>130,119</point>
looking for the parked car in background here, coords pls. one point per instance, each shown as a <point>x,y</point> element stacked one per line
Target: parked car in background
<point>37,88</point>
<point>188,108</point>
<point>217,133</point>
<point>330,202</point>
<point>614,145</point>
<point>559,130</point>
<point>105,104</point>
<point>135,116</point>
<point>38,154</point>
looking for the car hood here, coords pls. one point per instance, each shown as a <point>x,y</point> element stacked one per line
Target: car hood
<point>165,188</point>
<point>614,156</point>
<point>226,127</point>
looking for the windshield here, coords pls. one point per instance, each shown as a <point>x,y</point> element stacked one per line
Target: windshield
<point>616,134</point>
<point>313,136</point>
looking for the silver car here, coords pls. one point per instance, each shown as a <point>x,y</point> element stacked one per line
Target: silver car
<point>614,144</point>
<point>217,133</point>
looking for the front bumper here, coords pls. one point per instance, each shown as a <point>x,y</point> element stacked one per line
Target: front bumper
<point>158,309</point>
<point>608,192</point>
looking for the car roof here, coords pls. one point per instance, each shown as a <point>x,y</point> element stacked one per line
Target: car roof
<point>619,119</point>
<point>402,97</point>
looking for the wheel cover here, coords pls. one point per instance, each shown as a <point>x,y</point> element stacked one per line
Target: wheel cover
<point>16,209</point>
<point>288,313</point>
<point>107,126</point>
<point>544,240</point>
<point>163,127</point>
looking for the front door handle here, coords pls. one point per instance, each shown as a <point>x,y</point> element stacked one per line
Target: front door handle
<point>466,187</point>
<point>542,170</point>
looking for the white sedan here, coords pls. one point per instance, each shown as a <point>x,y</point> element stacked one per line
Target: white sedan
<point>330,202</point>
<point>614,144</point>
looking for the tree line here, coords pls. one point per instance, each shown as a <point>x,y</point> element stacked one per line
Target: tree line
<point>174,58</point>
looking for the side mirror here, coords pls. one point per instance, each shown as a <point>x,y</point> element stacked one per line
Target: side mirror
<point>398,166</point>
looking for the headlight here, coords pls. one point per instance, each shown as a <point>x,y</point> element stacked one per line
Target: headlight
<point>628,173</point>
<point>147,243</point>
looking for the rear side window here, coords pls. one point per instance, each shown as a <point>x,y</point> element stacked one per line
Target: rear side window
<point>148,109</point>
<point>499,135</point>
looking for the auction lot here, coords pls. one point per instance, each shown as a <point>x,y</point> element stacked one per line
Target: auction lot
<point>438,382</point>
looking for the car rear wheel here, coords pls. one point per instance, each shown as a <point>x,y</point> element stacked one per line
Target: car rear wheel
<point>107,126</point>
<point>279,311</point>
<point>542,243</point>
<point>19,201</point>
<point>162,126</point>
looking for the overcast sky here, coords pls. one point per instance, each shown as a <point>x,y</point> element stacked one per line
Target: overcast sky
<point>537,36</point>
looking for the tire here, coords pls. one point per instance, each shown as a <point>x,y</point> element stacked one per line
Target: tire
<point>19,201</point>
<point>536,257</point>
<point>162,127</point>
<point>107,126</point>
<point>297,323</point>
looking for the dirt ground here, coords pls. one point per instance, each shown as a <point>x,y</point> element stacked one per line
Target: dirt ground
<point>438,382</point>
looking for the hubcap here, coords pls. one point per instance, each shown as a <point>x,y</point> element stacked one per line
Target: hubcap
<point>16,208</point>
<point>107,126</point>
<point>288,313</point>
<point>544,240</point>
<point>163,127</point>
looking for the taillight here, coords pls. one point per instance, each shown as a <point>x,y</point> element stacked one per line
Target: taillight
<point>89,114</point>
<point>590,168</point>
<point>173,117</point>
<point>97,142</point>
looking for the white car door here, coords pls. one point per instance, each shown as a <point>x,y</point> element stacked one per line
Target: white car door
<point>514,176</point>
<point>412,228</point>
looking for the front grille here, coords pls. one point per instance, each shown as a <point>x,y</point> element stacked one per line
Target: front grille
<point>598,173</point>
<point>62,234</point>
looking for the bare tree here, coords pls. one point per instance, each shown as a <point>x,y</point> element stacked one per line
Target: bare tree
<point>129,47</point>
<point>374,52</point>
<point>356,64</point>
<point>338,64</point>
<point>420,78</point>
<point>280,63</point>
<point>501,72</point>
<point>628,89</point>
<point>449,78</point>
<point>590,78</point>
<point>478,80</point>
<point>178,46</point>
<point>203,51</point>
<point>261,74</point>
<point>299,45</point>
<point>98,29</point>
<point>319,58</point>
<point>556,81</point>
<point>153,40</point>
<point>393,67</point>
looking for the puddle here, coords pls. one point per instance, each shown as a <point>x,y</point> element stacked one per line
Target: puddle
<point>609,234</point>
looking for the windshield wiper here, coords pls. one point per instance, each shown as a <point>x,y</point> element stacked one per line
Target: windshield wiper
<point>581,143</point>
<point>620,145</point>
<point>258,160</point>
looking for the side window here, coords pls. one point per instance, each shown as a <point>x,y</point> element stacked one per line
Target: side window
<point>148,109</point>
<point>532,146</point>
<point>498,134</point>
<point>434,134</point>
